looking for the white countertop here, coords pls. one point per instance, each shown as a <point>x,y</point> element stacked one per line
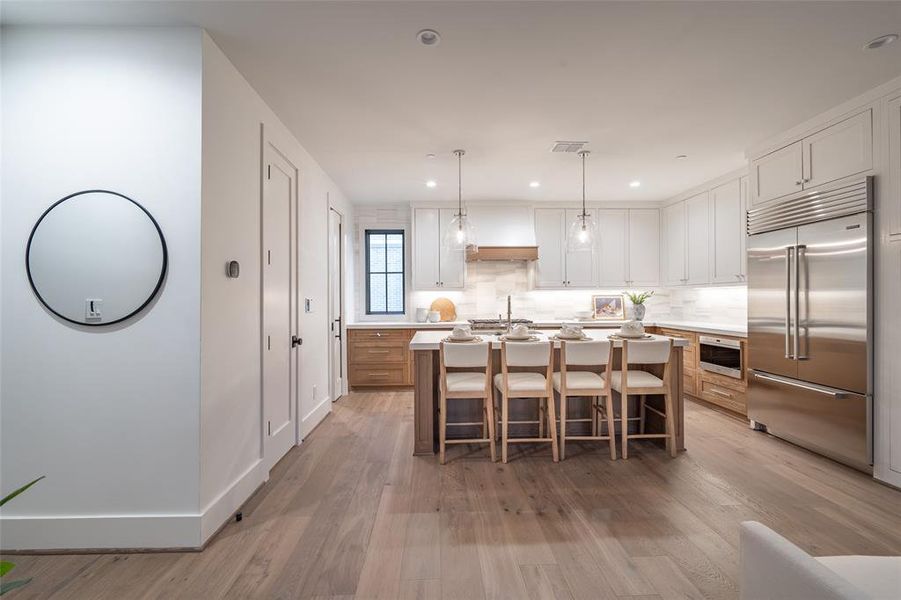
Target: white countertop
<point>430,340</point>
<point>700,327</point>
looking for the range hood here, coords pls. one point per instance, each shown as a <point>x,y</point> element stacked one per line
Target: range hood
<point>503,233</point>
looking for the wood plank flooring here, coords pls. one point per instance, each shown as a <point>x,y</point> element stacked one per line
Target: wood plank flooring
<point>352,514</point>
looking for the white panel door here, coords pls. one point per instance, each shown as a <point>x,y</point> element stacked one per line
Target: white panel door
<point>674,244</point>
<point>426,243</point>
<point>551,239</point>
<point>612,257</point>
<point>726,204</point>
<point>451,263</point>
<point>644,247</point>
<point>777,174</point>
<point>581,268</point>
<point>843,149</point>
<point>336,303</point>
<point>279,298</point>
<point>697,243</point>
<point>893,206</point>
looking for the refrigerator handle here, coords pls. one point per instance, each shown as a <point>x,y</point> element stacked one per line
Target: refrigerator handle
<point>788,300</point>
<point>837,394</point>
<point>797,341</point>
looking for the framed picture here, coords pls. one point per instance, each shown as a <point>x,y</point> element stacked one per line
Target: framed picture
<point>608,307</point>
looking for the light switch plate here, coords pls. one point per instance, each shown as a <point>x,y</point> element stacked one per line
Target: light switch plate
<point>308,305</point>
<point>93,309</point>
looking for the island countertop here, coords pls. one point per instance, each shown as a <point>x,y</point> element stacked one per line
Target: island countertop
<point>430,339</point>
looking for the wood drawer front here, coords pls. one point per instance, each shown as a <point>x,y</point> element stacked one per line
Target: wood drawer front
<point>739,385</point>
<point>723,396</point>
<point>379,336</point>
<point>676,333</point>
<point>377,353</point>
<point>378,375</point>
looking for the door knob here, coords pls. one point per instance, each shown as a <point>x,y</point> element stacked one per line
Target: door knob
<point>296,341</point>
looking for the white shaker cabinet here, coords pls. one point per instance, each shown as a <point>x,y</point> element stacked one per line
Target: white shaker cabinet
<point>727,233</point>
<point>697,242</point>
<point>550,235</point>
<point>557,267</point>
<point>643,247</point>
<point>893,206</point>
<point>613,231</point>
<point>674,244</point>
<point>840,150</point>
<point>434,267</point>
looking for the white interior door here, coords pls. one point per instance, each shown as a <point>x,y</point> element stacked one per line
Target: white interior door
<point>279,305</point>
<point>336,303</point>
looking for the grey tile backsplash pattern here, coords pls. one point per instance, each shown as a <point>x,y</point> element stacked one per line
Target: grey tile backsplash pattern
<point>489,283</point>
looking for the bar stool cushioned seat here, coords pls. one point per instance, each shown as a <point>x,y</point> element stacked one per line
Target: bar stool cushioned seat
<point>465,382</point>
<point>521,382</point>
<point>636,379</point>
<point>581,380</point>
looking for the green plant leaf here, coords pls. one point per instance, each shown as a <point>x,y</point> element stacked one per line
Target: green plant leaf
<point>7,586</point>
<point>6,567</point>
<point>20,490</point>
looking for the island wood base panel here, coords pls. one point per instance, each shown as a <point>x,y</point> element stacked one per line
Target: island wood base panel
<point>426,400</point>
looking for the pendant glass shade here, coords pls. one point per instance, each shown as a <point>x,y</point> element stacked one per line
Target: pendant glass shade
<point>582,235</point>
<point>459,234</point>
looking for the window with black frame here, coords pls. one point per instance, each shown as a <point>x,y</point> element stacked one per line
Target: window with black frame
<point>384,271</point>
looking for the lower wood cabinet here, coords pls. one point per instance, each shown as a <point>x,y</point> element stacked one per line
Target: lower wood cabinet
<point>379,357</point>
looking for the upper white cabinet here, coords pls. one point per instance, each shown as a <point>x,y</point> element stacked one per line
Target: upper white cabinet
<point>727,232</point>
<point>556,266</point>
<point>674,244</point>
<point>893,206</point>
<point>434,267</point>
<point>697,242</point>
<point>840,150</point>
<point>644,247</point>
<point>613,230</point>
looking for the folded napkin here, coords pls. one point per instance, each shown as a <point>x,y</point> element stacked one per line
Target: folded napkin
<point>461,331</point>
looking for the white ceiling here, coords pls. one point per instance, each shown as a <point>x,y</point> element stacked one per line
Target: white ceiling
<point>641,81</point>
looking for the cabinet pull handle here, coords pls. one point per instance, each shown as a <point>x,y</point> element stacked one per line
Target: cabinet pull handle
<point>721,393</point>
<point>378,334</point>
<point>380,374</point>
<point>799,182</point>
<point>378,351</point>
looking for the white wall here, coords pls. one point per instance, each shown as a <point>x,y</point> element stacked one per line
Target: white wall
<point>231,426</point>
<point>109,415</point>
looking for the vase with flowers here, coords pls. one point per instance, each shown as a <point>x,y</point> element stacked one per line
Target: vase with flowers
<point>638,299</point>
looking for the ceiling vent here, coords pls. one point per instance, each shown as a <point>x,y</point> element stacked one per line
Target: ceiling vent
<point>568,146</point>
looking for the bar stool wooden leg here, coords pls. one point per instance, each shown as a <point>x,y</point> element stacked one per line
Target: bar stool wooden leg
<point>594,406</point>
<point>624,423</point>
<point>611,426</point>
<point>563,426</point>
<point>552,426</point>
<point>541,411</point>
<point>505,418</point>
<point>642,411</point>
<point>442,433</point>
<point>489,408</point>
<point>670,424</point>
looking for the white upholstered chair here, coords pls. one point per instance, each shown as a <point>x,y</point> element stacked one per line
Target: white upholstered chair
<point>470,378</point>
<point>591,359</point>
<point>772,568</point>
<point>515,384</point>
<point>634,382</point>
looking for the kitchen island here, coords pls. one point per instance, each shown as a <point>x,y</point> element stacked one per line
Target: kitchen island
<point>425,346</point>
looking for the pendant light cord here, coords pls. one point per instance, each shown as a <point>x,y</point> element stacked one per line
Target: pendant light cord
<point>584,155</point>
<point>460,154</point>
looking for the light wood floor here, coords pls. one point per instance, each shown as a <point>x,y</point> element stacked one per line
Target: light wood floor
<point>352,513</point>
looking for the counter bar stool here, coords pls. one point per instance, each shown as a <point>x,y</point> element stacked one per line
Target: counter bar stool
<point>466,384</point>
<point>596,354</point>
<point>641,383</point>
<point>517,384</point>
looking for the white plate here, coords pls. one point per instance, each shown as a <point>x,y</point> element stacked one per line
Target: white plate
<point>512,338</point>
<point>461,340</point>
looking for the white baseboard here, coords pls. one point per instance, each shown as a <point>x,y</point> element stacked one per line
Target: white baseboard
<point>221,508</point>
<point>315,416</point>
<point>100,532</point>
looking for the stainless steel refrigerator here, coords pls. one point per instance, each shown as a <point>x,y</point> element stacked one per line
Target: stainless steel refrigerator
<point>810,320</point>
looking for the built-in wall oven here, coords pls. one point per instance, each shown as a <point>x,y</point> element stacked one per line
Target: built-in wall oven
<point>720,355</point>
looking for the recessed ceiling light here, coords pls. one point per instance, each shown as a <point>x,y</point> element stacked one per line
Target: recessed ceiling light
<point>634,184</point>
<point>534,184</point>
<point>431,183</point>
<point>430,155</point>
<point>681,156</point>
<point>428,37</point>
<point>882,40</point>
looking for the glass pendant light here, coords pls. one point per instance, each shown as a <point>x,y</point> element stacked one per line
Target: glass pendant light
<point>582,235</point>
<point>460,234</point>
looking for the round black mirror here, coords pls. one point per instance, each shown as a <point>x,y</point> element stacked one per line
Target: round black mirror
<point>96,258</point>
